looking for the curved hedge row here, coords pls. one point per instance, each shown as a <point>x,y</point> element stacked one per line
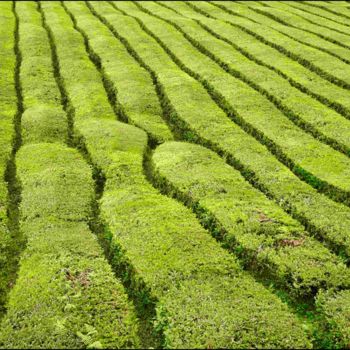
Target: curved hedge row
<point>199,292</point>
<point>242,98</point>
<point>43,119</point>
<point>266,52</point>
<point>322,122</point>
<point>332,42</point>
<point>313,59</point>
<point>190,110</point>
<point>138,103</point>
<point>314,16</point>
<point>246,221</point>
<point>314,13</point>
<point>65,295</point>
<point>305,156</point>
<point>335,308</point>
<point>8,110</point>
<point>339,11</point>
<point>8,99</point>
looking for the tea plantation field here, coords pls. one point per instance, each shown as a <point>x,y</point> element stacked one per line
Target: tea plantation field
<point>174,174</point>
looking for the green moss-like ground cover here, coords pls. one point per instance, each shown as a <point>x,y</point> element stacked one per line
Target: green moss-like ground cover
<point>65,295</point>
<point>113,234</point>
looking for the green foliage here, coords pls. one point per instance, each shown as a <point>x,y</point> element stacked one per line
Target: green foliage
<point>255,43</point>
<point>66,294</point>
<point>167,258</point>
<point>195,281</point>
<point>311,58</point>
<point>41,123</point>
<point>81,65</point>
<point>193,110</point>
<point>8,109</point>
<point>243,99</point>
<point>302,109</point>
<point>246,221</point>
<point>335,310</point>
<point>64,281</point>
<point>312,14</point>
<point>131,83</point>
<point>312,35</point>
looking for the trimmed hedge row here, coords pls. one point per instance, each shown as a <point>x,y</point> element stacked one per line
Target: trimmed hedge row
<point>316,36</point>
<point>267,53</point>
<point>43,119</point>
<point>315,16</point>
<point>305,156</point>
<point>253,46</point>
<point>340,11</point>
<point>245,220</point>
<point>65,295</point>
<point>8,109</point>
<point>313,59</point>
<point>316,163</point>
<point>322,122</point>
<point>138,103</point>
<point>190,110</point>
<point>320,12</point>
<point>8,99</point>
<point>200,295</point>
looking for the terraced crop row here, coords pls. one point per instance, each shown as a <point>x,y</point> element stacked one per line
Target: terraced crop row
<point>237,236</point>
<point>250,224</point>
<point>291,193</point>
<point>323,123</point>
<point>312,15</point>
<point>339,11</point>
<point>263,46</point>
<point>135,99</point>
<point>8,113</point>
<point>159,243</point>
<point>223,137</point>
<point>256,50</point>
<point>311,57</point>
<point>124,26</point>
<point>65,294</point>
<point>263,243</point>
<point>294,148</point>
<point>328,18</point>
<point>334,43</point>
<point>85,26</point>
<point>177,41</point>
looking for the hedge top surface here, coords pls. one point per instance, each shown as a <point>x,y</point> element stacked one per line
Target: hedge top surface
<point>132,85</point>
<point>250,221</point>
<point>66,294</point>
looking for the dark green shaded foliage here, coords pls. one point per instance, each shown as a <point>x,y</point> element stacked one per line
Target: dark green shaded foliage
<point>9,244</point>
<point>335,309</point>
